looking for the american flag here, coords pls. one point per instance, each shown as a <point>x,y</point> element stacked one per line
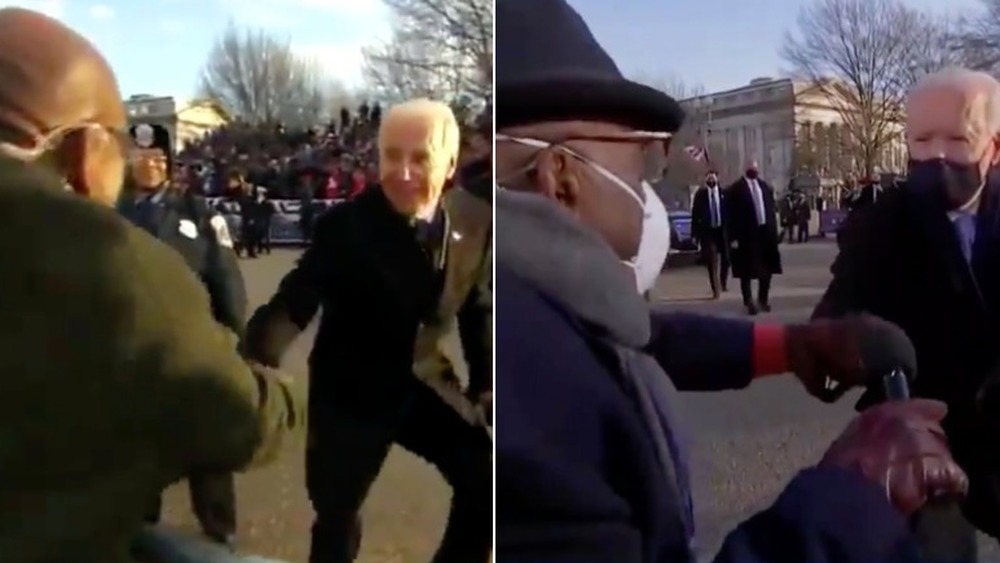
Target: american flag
<point>696,152</point>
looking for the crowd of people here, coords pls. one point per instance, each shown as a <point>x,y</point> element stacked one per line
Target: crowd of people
<point>334,161</point>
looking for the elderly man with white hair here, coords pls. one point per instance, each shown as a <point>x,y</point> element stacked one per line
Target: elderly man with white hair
<point>927,257</point>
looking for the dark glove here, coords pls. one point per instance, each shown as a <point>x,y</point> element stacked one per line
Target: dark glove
<point>825,354</point>
<point>902,447</point>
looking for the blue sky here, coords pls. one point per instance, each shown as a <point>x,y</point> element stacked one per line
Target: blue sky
<point>718,44</point>
<point>158,46</point>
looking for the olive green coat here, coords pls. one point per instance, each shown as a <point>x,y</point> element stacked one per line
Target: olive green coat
<point>466,301</point>
<point>116,379</point>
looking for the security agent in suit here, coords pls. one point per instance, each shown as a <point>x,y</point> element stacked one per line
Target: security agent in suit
<point>708,225</point>
<point>185,223</point>
<point>394,271</point>
<point>753,237</point>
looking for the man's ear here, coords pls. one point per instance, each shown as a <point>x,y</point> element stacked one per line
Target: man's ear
<point>70,161</point>
<point>559,177</point>
<point>995,143</point>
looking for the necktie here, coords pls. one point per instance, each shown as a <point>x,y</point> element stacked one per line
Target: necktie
<point>965,229</point>
<point>713,199</point>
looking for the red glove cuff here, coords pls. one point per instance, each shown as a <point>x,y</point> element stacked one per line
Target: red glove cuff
<point>770,350</point>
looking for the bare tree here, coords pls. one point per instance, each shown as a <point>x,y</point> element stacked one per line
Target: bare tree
<point>851,52</point>
<point>439,48</point>
<point>976,40</point>
<point>936,46</point>
<point>258,79</point>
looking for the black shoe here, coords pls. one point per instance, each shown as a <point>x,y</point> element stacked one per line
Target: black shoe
<point>752,309</point>
<point>764,307</point>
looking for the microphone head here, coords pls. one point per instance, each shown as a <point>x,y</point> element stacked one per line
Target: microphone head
<point>885,347</point>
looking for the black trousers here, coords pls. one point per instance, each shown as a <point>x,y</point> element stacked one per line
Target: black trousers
<point>213,500</point>
<point>250,238</point>
<point>347,452</point>
<point>803,231</point>
<point>763,290</point>
<point>713,248</point>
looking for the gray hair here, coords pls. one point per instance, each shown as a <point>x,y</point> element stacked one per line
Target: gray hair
<point>958,78</point>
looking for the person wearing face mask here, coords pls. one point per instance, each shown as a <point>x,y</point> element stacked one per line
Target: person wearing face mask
<point>590,464</point>
<point>708,225</point>
<point>126,382</point>
<point>927,257</point>
<point>655,243</point>
<point>394,271</point>
<point>753,237</point>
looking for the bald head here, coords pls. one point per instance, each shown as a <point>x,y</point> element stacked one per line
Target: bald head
<point>50,76</point>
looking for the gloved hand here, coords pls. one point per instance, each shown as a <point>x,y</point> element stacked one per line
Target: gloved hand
<point>825,354</point>
<point>901,446</point>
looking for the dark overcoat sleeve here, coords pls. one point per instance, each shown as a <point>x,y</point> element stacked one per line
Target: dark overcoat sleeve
<point>854,286</point>
<point>678,343</point>
<point>223,277</point>
<point>274,325</point>
<point>824,516</point>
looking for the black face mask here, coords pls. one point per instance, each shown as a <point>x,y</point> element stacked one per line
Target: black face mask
<point>711,183</point>
<point>956,183</point>
<point>752,174</point>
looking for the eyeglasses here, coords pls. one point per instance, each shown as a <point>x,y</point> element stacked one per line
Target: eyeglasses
<point>53,138</point>
<point>655,148</point>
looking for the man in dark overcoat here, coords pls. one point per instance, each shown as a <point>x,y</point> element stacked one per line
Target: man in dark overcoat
<point>753,237</point>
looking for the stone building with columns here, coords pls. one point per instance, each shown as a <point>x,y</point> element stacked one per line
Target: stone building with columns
<point>790,128</point>
<point>184,121</point>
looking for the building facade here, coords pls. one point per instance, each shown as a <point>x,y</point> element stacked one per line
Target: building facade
<point>791,129</point>
<point>185,121</point>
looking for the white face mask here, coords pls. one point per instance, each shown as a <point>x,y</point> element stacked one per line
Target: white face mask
<point>655,243</point>
<point>602,171</point>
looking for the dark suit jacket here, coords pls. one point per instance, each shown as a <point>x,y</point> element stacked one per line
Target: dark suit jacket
<point>754,248</point>
<point>701,212</point>
<point>900,259</point>
<point>208,249</point>
<point>381,294</point>
<point>578,478</point>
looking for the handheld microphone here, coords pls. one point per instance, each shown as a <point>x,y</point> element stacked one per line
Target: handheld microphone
<point>887,353</point>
